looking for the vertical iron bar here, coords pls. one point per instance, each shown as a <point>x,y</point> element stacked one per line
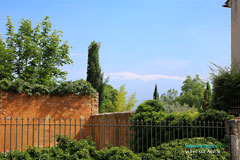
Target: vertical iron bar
<point>178,129</point>
<point>60,121</point>
<point>204,125</point>
<point>38,130</point>
<point>133,135</point>
<point>169,134</point>
<point>165,129</point>
<point>200,127</point>
<point>5,133</point>
<point>33,133</point>
<point>85,128</point>
<point>137,133</point>
<point>109,130</point>
<point>49,131</point>
<point>128,133</point>
<point>191,125</point>
<point>155,123</point>
<point>22,136</point>
<point>43,132</point>
<point>75,128</point>
<point>213,129</point>
<point>65,125</point>
<point>10,134</point>
<point>142,135</point>
<point>119,134</point>
<point>80,129</point>
<point>187,129</point>
<point>27,129</point>
<point>151,135</point>
<point>104,132</point>
<point>95,125</point>
<point>160,133</point>
<point>217,130</point>
<point>182,129</point>
<point>70,132</point>
<point>16,132</point>
<point>208,129</point>
<point>99,133</point>
<point>195,128</point>
<point>54,132</point>
<point>115,128</point>
<point>124,130</point>
<point>147,134</point>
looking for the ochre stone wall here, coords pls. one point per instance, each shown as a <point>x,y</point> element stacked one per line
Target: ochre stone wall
<point>46,106</point>
<point>36,120</point>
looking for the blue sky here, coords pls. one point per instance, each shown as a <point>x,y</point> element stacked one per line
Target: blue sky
<point>143,42</point>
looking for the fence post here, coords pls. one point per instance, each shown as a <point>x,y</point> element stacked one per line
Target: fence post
<point>232,135</point>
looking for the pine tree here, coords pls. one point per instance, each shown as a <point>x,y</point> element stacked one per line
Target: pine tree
<point>94,73</point>
<point>156,94</point>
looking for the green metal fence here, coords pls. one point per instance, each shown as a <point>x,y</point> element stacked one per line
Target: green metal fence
<point>17,134</point>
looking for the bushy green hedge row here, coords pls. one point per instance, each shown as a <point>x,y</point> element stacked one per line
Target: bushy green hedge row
<point>67,149</point>
<point>176,150</point>
<point>78,87</point>
<point>152,113</point>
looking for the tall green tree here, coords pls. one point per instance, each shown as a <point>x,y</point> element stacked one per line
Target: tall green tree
<point>156,94</point>
<point>207,96</point>
<point>169,97</point>
<point>192,92</point>
<point>109,99</point>
<point>94,73</point>
<point>123,102</point>
<point>34,54</point>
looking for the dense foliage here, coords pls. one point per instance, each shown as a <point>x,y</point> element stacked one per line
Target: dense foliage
<point>153,113</point>
<point>192,92</point>
<point>226,86</point>
<point>176,150</point>
<point>213,115</point>
<point>124,103</point>
<point>109,99</point>
<point>68,149</point>
<point>94,72</point>
<point>34,55</point>
<point>78,87</point>
<point>117,153</point>
<point>30,61</point>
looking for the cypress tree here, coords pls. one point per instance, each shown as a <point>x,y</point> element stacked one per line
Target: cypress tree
<point>94,73</point>
<point>155,94</point>
<point>207,96</point>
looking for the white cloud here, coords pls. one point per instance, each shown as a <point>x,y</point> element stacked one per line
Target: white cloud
<point>145,77</point>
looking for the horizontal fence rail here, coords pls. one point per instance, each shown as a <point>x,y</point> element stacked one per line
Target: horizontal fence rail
<point>17,134</point>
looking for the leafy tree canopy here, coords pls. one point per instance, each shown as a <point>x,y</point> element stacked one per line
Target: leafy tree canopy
<point>33,54</point>
<point>192,92</point>
<point>123,103</point>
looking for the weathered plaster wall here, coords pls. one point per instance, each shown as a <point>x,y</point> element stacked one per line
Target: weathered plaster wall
<point>22,132</point>
<point>114,129</point>
<point>46,106</point>
<point>235,31</point>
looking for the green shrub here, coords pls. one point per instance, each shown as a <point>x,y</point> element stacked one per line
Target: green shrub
<point>214,115</point>
<point>78,87</point>
<point>226,86</point>
<point>117,153</point>
<point>176,150</point>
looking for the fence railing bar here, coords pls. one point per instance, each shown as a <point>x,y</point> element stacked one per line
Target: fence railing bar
<point>22,136</point>
<point>49,132</point>
<point>44,123</point>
